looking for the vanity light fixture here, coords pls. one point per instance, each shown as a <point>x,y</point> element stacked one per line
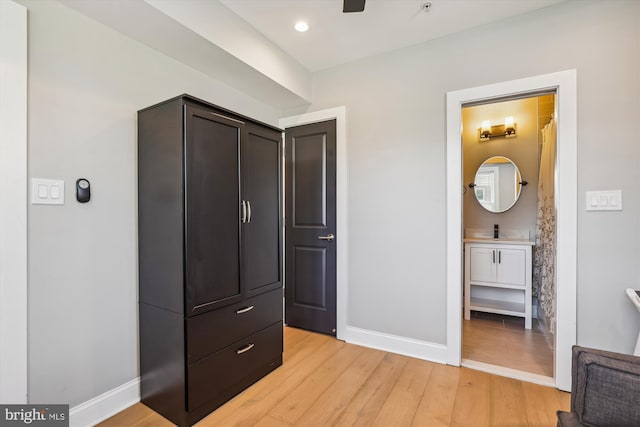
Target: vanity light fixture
<point>485,130</point>
<point>508,129</point>
<point>301,26</point>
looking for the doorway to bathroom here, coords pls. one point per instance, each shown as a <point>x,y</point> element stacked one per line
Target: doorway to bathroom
<point>508,152</point>
<point>565,85</point>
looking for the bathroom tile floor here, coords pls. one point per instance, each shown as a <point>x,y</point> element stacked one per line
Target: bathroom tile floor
<point>503,341</point>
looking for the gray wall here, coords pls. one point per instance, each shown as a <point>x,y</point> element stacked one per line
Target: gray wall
<point>396,162</point>
<point>86,83</point>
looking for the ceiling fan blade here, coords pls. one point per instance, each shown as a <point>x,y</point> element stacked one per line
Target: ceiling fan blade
<point>353,6</point>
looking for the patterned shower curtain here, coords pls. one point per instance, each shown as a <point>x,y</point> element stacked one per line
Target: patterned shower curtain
<point>544,258</point>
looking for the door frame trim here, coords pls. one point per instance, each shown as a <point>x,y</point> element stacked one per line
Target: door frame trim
<point>339,114</point>
<point>13,209</point>
<point>566,210</point>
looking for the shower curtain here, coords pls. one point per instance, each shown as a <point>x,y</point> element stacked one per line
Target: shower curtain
<point>544,258</point>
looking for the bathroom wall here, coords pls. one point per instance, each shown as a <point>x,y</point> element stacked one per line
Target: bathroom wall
<point>546,108</point>
<point>521,149</point>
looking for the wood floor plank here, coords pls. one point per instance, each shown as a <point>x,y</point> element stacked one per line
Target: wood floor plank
<point>330,405</point>
<point>327,380</point>
<point>137,415</point>
<point>436,406</point>
<point>296,339</point>
<point>471,407</point>
<point>307,392</point>
<point>565,399</point>
<point>134,415</point>
<point>496,341</point>
<point>400,407</point>
<point>541,404</point>
<point>506,403</point>
<point>269,421</point>
<point>366,403</point>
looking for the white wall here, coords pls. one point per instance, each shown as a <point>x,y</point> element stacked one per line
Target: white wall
<point>396,161</point>
<point>86,83</point>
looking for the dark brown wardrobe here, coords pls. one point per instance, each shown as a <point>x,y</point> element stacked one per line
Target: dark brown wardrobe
<point>210,267</point>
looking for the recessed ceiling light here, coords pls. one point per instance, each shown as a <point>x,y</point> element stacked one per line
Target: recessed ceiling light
<point>301,26</point>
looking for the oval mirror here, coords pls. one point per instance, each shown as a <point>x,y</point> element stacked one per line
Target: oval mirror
<point>497,184</point>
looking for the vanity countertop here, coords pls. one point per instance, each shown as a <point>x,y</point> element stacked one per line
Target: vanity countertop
<point>499,241</point>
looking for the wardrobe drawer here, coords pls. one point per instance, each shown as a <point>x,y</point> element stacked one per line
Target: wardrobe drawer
<point>219,373</point>
<point>214,330</point>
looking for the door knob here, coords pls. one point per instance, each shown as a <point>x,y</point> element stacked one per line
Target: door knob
<point>328,237</point>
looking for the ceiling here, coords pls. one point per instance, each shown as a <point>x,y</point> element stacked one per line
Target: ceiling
<point>335,38</point>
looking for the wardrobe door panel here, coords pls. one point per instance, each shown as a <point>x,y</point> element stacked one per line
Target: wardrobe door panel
<point>212,200</point>
<point>261,189</point>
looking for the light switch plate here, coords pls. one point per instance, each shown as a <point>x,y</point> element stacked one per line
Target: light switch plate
<point>47,191</point>
<point>609,200</point>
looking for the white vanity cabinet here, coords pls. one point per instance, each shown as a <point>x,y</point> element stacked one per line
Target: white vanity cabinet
<point>497,277</point>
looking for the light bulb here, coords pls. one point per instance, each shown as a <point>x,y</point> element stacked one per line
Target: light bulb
<point>301,26</point>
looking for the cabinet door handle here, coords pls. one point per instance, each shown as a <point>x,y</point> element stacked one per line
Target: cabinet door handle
<point>244,310</point>
<point>244,212</point>
<point>245,348</point>
<point>494,255</point>
<point>248,211</point>
<point>499,257</point>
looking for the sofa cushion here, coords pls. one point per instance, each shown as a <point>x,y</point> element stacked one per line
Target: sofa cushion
<point>607,390</point>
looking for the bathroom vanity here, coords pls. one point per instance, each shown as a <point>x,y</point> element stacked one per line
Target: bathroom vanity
<point>497,277</point>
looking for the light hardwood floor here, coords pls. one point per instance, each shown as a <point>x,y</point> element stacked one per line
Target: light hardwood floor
<point>324,381</point>
<point>503,341</point>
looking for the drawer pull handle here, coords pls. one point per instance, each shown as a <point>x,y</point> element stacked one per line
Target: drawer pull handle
<point>245,348</point>
<point>244,310</point>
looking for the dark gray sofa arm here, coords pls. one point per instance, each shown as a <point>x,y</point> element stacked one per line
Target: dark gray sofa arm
<point>605,390</point>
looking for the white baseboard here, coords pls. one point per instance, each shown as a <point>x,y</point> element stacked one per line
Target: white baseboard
<point>106,405</point>
<point>424,350</point>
